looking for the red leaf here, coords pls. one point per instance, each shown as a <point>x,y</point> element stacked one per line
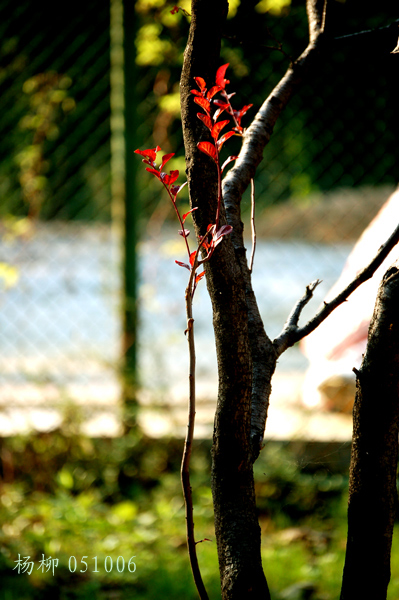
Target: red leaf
<point>184,232</point>
<point>219,112</point>
<point>196,93</point>
<point>216,129</point>
<point>175,189</point>
<point>169,179</point>
<point>199,276</point>
<point>223,139</point>
<point>204,103</point>
<point>201,83</point>
<point>151,153</point>
<point>221,103</point>
<point>154,172</point>
<point>227,161</point>
<point>223,230</point>
<point>205,119</point>
<point>187,213</point>
<point>244,109</point>
<point>220,73</point>
<point>165,160</point>
<point>182,264</point>
<point>214,90</point>
<point>192,257</point>
<point>218,235</point>
<point>209,149</point>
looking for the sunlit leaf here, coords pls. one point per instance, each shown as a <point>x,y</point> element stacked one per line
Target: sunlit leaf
<point>182,264</point>
<point>216,129</point>
<point>201,83</point>
<point>187,213</point>
<point>221,103</point>
<point>223,139</point>
<point>165,160</point>
<point>223,230</point>
<point>244,109</point>
<point>209,149</point>
<point>214,90</point>
<point>206,119</point>
<point>192,257</point>
<point>199,276</point>
<point>169,179</point>
<point>219,234</point>
<point>154,172</point>
<point>220,73</point>
<point>219,112</point>
<point>175,189</point>
<point>204,103</point>
<point>151,153</point>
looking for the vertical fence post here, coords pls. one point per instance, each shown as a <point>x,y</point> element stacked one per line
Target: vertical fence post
<point>124,209</point>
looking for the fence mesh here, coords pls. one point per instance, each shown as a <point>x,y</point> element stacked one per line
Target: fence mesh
<point>330,165</point>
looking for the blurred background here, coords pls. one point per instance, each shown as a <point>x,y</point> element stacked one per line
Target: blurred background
<point>92,351</point>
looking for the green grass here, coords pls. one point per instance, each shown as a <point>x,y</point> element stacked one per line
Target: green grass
<point>124,500</point>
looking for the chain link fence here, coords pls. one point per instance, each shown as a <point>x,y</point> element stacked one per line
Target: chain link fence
<point>59,331</point>
<point>330,165</point>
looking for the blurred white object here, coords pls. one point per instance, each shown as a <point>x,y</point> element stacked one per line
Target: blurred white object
<point>338,344</point>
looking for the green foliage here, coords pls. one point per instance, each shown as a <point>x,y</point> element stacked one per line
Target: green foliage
<point>288,493</point>
<point>54,118</point>
<point>65,495</point>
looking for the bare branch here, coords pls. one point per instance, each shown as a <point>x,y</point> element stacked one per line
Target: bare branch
<point>258,134</point>
<point>316,10</point>
<point>291,333</point>
<point>253,228</point>
<point>235,183</point>
<point>292,321</point>
<point>369,32</point>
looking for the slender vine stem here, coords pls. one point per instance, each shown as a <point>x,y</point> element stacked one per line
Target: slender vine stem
<point>185,465</point>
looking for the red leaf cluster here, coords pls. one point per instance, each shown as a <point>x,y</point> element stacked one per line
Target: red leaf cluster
<point>205,98</point>
<point>168,180</point>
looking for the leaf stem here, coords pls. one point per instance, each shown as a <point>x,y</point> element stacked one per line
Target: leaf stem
<point>179,217</point>
<point>219,191</point>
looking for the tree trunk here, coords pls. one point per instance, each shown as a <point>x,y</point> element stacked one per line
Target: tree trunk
<point>372,487</point>
<point>236,523</point>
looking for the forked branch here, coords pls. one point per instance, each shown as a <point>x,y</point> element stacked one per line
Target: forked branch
<point>291,333</point>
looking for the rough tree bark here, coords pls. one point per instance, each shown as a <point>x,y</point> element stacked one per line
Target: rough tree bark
<point>236,523</point>
<point>246,356</point>
<point>372,488</point>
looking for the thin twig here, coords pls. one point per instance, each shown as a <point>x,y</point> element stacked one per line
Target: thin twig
<point>253,229</point>
<point>292,321</point>
<point>366,32</point>
<point>185,465</point>
<point>291,333</point>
